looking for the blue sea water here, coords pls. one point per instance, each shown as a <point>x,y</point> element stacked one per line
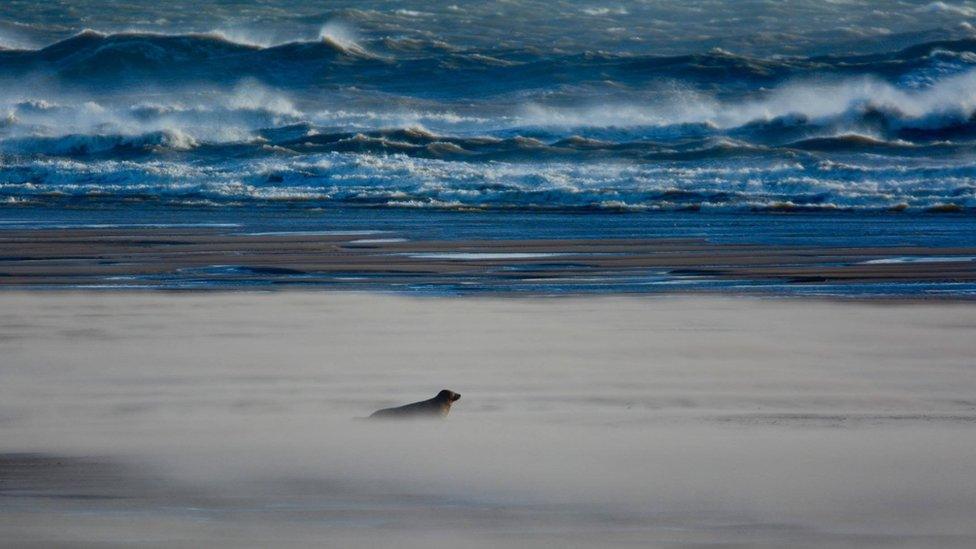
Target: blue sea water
<point>797,122</point>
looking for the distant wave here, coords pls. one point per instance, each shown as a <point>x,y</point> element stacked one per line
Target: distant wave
<point>113,61</point>
<point>899,96</point>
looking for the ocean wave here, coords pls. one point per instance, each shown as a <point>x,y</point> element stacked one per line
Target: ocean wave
<point>763,98</point>
<point>796,110</point>
<point>800,110</point>
<point>400,181</point>
<point>95,145</point>
<point>163,135</point>
<point>338,57</point>
<point>200,120</point>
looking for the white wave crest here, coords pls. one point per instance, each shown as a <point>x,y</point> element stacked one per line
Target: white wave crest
<point>343,37</point>
<point>947,9</point>
<point>949,100</point>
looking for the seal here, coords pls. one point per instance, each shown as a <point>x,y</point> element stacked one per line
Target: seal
<point>439,406</point>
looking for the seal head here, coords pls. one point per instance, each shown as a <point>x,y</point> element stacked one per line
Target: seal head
<point>448,396</point>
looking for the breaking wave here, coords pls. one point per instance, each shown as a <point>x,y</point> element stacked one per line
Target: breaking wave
<point>377,181</point>
<point>206,119</point>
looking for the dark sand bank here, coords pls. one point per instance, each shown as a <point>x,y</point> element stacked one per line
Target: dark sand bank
<point>213,258</point>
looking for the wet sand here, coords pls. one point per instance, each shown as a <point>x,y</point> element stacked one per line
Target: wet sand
<point>228,420</point>
<point>194,258</point>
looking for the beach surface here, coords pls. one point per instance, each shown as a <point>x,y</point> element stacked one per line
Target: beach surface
<point>148,419</point>
<point>207,258</point>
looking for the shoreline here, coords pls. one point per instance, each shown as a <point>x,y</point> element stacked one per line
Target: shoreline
<point>880,301</point>
<point>214,259</point>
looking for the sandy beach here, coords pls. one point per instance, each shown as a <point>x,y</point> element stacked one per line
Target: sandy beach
<point>145,419</point>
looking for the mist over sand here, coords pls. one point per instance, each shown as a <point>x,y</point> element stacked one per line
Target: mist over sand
<point>229,420</point>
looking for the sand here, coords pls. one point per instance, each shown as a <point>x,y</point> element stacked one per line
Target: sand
<point>179,257</point>
<point>147,419</point>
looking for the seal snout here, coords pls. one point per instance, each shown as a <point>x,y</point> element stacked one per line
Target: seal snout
<point>455,397</point>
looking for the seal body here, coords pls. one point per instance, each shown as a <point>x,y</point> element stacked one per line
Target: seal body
<point>439,406</point>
